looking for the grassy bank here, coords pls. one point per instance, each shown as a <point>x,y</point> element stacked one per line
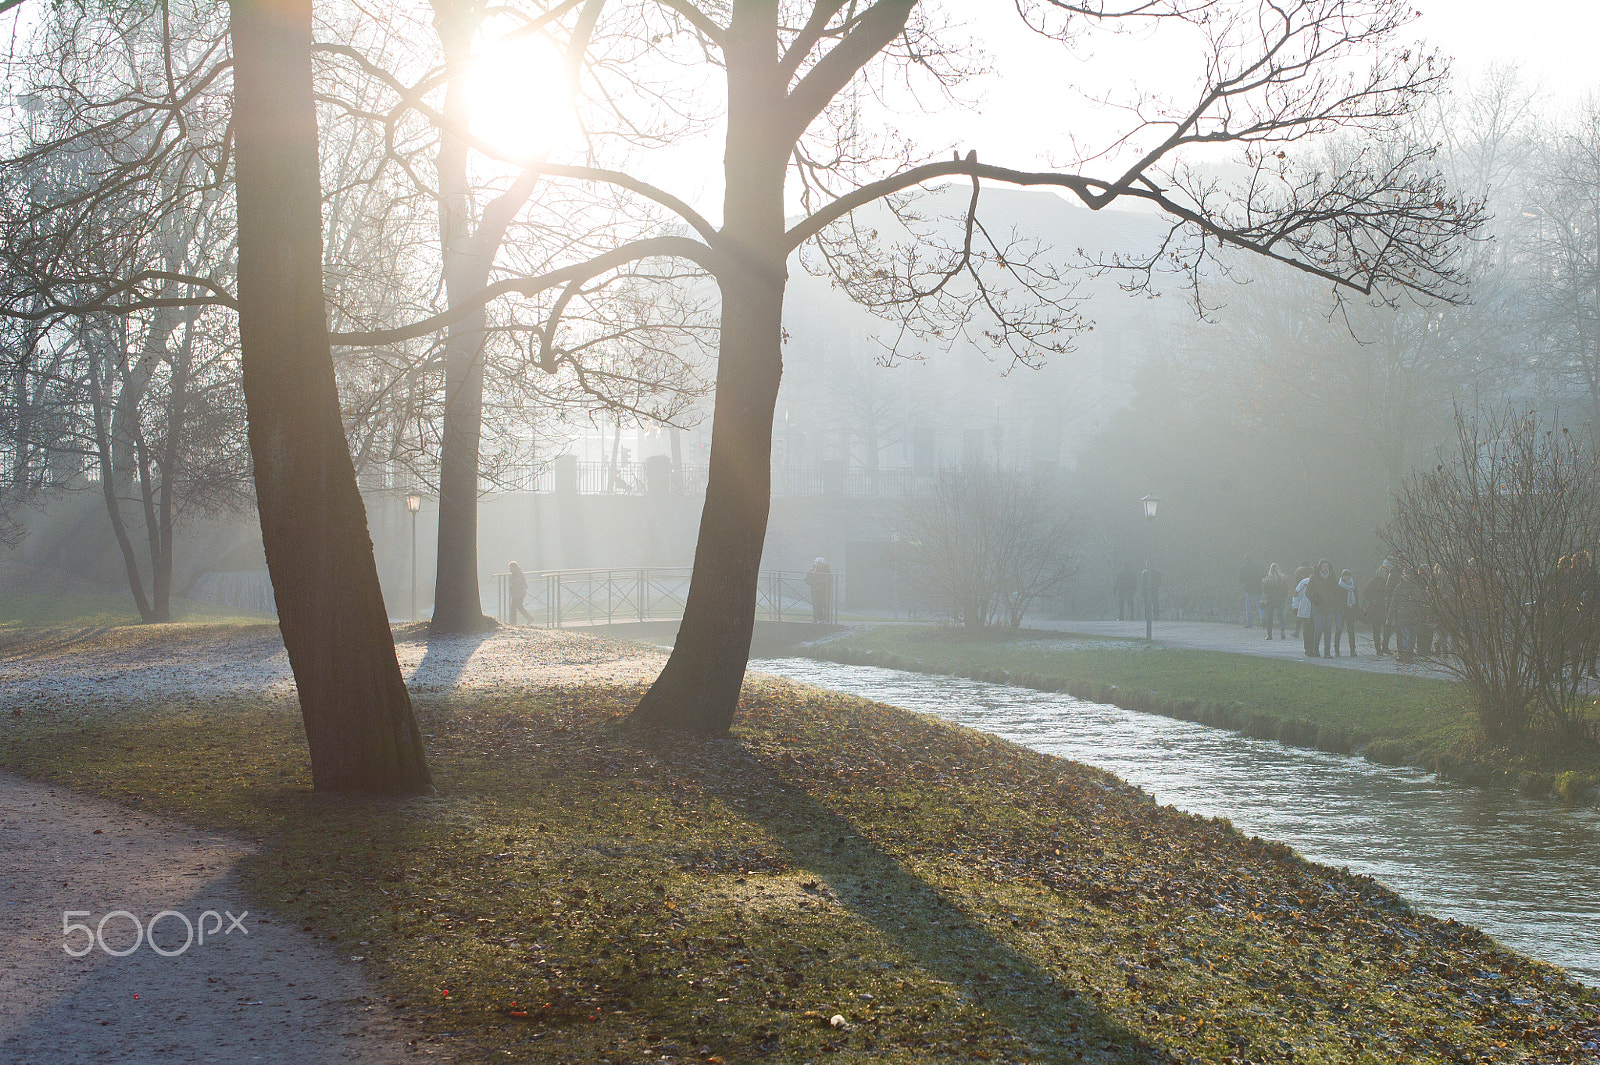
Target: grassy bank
<point>1393,719</point>
<point>574,892</point>
<point>24,611</point>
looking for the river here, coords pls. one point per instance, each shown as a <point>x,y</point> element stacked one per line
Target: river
<point>1526,871</point>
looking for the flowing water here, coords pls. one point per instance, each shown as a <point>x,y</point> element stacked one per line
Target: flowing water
<point>1524,870</point>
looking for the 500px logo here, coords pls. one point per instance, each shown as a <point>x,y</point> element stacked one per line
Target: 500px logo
<point>97,935</point>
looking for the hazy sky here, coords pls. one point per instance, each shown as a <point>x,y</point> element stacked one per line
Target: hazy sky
<point>1553,41</point>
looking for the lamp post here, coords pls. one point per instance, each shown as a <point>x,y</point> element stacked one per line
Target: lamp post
<point>413,504</point>
<point>1152,580</point>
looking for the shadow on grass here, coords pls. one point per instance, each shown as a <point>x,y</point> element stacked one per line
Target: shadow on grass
<point>444,662</point>
<point>915,917</point>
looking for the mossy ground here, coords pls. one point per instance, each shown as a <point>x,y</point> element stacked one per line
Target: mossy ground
<point>1401,717</point>
<point>577,892</point>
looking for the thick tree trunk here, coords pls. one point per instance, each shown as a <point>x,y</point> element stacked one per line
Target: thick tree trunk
<point>357,712</point>
<point>698,690</point>
<point>457,602</point>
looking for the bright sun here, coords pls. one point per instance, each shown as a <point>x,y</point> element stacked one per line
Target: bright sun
<point>518,96</point>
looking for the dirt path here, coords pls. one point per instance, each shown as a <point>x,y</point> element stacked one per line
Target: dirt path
<point>264,992</point>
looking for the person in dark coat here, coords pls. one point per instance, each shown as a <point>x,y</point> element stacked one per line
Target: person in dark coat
<point>517,585</point>
<point>1123,587</point>
<point>1324,592</point>
<point>1407,609</point>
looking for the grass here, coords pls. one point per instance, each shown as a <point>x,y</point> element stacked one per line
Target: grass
<point>1393,718</point>
<point>575,892</point>
<point>21,611</point>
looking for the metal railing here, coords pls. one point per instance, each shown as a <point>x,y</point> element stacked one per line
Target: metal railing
<point>555,598</point>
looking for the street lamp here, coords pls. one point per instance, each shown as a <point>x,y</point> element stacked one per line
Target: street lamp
<point>413,504</point>
<point>1151,582</point>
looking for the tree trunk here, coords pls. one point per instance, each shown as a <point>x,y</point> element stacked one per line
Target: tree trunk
<point>457,603</point>
<point>108,487</point>
<point>358,719</point>
<point>698,690</point>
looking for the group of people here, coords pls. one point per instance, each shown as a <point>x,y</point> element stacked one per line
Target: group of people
<point>1323,609</point>
<point>1145,585</point>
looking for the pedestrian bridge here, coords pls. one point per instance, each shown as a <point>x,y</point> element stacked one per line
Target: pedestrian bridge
<point>559,598</point>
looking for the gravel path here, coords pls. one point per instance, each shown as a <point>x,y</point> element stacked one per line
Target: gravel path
<point>1218,636</point>
<point>265,993</point>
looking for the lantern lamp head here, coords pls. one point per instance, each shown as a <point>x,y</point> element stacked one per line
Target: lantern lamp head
<point>413,503</point>
<point>1150,502</point>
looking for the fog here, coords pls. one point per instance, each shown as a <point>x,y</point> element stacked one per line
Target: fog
<point>1272,413</point>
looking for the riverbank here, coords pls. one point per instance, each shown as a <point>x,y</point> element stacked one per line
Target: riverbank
<point>1394,720</point>
<point>577,892</point>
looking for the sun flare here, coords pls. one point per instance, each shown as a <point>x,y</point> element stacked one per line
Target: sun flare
<point>518,96</point>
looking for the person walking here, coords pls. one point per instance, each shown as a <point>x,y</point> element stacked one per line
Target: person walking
<point>820,580</point>
<point>1274,597</point>
<point>1323,590</point>
<point>1375,598</point>
<point>1407,605</point>
<point>1302,612</point>
<point>1123,587</point>
<point>1250,577</point>
<point>517,586</point>
<point>1347,613</point>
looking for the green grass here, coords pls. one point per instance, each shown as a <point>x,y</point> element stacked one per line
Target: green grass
<point>20,611</point>
<point>1392,717</point>
<point>576,892</point>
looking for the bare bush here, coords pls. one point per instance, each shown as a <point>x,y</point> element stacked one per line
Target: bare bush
<point>1490,541</point>
<point>987,544</point>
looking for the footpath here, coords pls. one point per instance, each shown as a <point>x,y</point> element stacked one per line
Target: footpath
<point>1221,636</point>
<point>261,990</point>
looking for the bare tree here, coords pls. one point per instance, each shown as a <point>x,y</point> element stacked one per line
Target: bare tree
<point>1494,529</point>
<point>1276,76</point>
<point>1561,235</point>
<point>986,544</point>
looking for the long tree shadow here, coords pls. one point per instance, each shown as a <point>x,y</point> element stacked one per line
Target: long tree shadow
<point>945,939</point>
<point>444,662</point>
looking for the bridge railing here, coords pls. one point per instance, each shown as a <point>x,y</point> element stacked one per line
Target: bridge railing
<point>556,598</point>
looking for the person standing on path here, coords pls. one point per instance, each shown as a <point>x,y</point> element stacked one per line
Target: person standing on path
<point>1250,578</point>
<point>820,580</point>
<point>518,587</point>
<point>1375,597</point>
<point>1301,572</point>
<point>1346,613</point>
<point>1123,587</point>
<point>1274,595</point>
<point>1323,590</point>
<point>1302,612</point>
